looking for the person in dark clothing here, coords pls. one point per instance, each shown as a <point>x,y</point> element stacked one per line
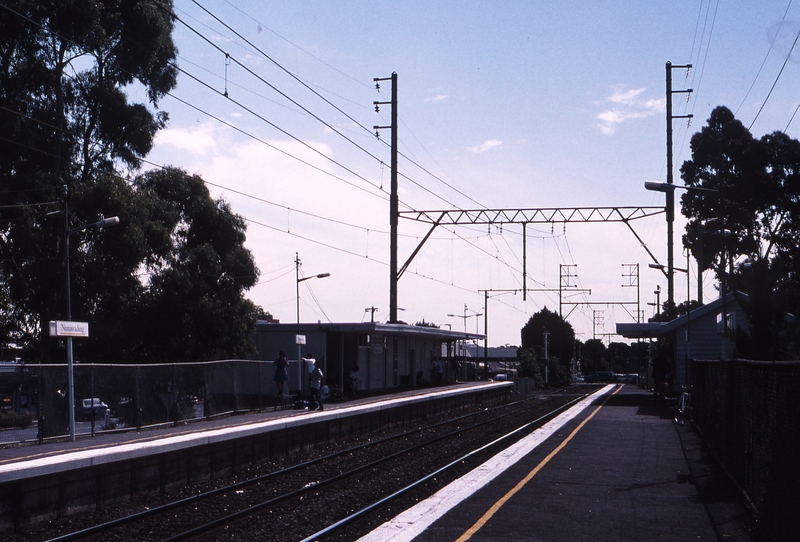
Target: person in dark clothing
<point>315,385</point>
<point>281,372</point>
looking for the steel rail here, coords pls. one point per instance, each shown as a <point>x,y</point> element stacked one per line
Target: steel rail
<point>119,522</point>
<point>245,513</point>
<point>352,518</point>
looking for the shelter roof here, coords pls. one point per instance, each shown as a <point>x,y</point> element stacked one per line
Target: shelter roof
<point>371,327</point>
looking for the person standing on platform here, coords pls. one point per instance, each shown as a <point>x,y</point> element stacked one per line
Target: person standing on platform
<point>455,367</point>
<point>308,364</point>
<point>281,372</point>
<point>436,369</point>
<point>353,377</point>
<point>315,384</point>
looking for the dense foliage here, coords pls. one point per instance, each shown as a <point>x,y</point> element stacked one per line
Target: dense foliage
<point>168,282</point>
<point>548,326</point>
<point>747,227</point>
<point>550,362</point>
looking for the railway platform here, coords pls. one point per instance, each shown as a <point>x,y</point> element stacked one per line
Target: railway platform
<point>56,479</point>
<point>614,469</point>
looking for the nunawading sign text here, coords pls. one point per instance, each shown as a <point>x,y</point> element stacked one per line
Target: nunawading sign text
<point>61,328</point>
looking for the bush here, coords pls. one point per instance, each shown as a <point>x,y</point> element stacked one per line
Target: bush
<point>12,419</point>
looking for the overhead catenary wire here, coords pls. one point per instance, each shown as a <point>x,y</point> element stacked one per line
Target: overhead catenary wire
<point>296,78</point>
<point>288,72</point>
<point>437,196</point>
<point>349,117</point>
<point>763,63</point>
<point>307,111</point>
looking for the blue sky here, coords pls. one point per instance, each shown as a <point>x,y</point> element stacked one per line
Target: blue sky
<point>504,104</point>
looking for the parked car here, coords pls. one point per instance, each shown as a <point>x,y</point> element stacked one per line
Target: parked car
<point>602,377</point>
<point>85,407</point>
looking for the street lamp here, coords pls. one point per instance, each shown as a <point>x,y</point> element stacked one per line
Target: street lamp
<point>669,189</point>
<point>688,312</point>
<point>106,222</point>
<point>464,317</point>
<point>299,280</point>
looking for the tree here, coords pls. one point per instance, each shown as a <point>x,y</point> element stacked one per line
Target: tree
<point>561,336</point>
<point>594,357</point>
<point>750,218</point>
<point>195,306</point>
<point>560,345</point>
<point>66,119</point>
<point>423,323</point>
<point>168,282</point>
<point>739,216</point>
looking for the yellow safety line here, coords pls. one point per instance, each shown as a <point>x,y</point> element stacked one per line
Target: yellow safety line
<point>493,510</point>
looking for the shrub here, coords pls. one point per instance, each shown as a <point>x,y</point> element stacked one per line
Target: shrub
<point>12,419</point>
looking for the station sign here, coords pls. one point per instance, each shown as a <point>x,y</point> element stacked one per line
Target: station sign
<point>63,328</point>
<point>300,339</point>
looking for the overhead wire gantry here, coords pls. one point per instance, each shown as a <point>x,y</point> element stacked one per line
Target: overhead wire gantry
<point>550,215</point>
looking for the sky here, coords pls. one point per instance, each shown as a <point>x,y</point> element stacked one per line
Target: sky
<point>501,105</point>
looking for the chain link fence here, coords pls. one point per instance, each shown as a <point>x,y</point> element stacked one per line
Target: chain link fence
<point>34,406</point>
<point>749,413</point>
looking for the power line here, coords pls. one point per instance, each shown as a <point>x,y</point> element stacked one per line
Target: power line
<point>255,138</point>
<point>231,125</point>
<point>763,63</point>
<point>273,87</point>
<point>788,55</point>
<point>187,103</point>
<point>349,117</point>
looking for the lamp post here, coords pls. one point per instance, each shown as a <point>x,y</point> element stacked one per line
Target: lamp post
<point>688,312</point>
<point>464,317</point>
<point>106,222</point>
<point>669,189</point>
<point>298,281</point>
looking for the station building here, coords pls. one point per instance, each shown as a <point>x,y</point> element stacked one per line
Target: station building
<point>387,355</point>
<point>696,335</point>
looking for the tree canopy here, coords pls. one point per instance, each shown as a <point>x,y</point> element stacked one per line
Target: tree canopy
<point>560,335</point>
<point>168,282</point>
<point>747,226</point>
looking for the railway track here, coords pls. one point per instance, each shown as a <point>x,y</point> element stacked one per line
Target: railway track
<point>340,493</point>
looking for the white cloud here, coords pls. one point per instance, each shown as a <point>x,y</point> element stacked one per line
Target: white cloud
<point>437,98</point>
<point>486,145</point>
<point>658,105</point>
<point>197,142</point>
<point>626,97</point>
<point>628,105</point>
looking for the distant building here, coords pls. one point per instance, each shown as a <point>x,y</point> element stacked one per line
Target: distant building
<point>506,352</point>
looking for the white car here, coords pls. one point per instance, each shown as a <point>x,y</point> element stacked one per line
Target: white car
<point>84,409</point>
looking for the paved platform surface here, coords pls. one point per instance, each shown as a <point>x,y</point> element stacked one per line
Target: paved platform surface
<point>617,470</point>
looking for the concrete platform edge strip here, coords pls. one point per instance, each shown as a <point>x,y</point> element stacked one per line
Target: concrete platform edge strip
<point>121,452</point>
<point>411,523</point>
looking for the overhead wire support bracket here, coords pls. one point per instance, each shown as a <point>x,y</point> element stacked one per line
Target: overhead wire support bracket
<point>532,215</point>
<point>550,215</point>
